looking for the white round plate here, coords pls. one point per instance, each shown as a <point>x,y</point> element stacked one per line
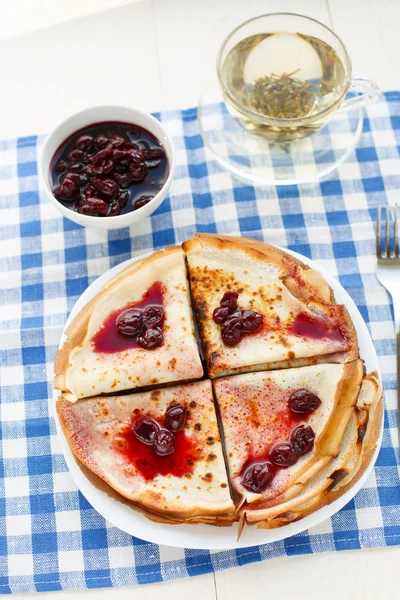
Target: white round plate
<point>205,536</point>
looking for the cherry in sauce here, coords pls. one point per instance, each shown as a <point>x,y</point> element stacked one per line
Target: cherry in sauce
<point>151,338</point>
<point>251,321</point>
<point>159,445</point>
<point>175,417</point>
<point>161,434</point>
<point>153,316</point>
<point>108,169</point>
<point>108,340</point>
<point>146,430</point>
<point>258,476</point>
<point>129,323</point>
<point>283,455</point>
<point>303,402</point>
<point>234,321</point>
<point>232,331</point>
<point>149,464</point>
<point>302,439</point>
<point>164,443</point>
<point>259,470</point>
<point>230,299</point>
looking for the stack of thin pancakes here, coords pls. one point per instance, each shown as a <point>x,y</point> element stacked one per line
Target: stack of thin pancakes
<point>307,342</point>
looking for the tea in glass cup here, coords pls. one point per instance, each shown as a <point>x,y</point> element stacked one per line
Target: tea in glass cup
<point>283,76</point>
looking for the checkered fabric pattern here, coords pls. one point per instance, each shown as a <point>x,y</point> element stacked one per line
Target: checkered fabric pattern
<point>50,537</point>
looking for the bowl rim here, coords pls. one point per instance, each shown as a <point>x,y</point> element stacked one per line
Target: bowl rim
<point>118,221</point>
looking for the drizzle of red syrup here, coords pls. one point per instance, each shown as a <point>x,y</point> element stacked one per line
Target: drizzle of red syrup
<point>107,340</point>
<point>315,328</point>
<point>149,464</point>
<point>286,419</point>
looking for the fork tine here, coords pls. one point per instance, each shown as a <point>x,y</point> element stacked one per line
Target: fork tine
<point>378,232</point>
<point>387,240</point>
<point>396,232</point>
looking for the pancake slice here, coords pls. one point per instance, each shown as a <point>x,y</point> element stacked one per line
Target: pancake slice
<point>340,474</point>
<point>188,485</point>
<point>301,322</point>
<point>257,414</point>
<point>96,359</point>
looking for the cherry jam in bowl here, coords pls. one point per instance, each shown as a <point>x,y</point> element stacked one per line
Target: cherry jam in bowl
<point>107,166</point>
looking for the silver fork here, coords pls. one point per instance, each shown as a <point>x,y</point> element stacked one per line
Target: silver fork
<point>388,275</point>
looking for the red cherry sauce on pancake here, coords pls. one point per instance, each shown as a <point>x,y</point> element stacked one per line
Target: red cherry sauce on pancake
<point>297,439</point>
<point>180,463</point>
<point>107,339</point>
<point>317,328</point>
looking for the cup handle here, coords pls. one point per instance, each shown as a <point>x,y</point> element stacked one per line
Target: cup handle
<point>367,93</point>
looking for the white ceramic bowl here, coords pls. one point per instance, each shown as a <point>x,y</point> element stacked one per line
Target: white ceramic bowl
<point>98,114</point>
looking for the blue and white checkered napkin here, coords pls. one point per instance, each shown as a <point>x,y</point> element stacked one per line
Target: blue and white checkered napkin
<point>50,537</point>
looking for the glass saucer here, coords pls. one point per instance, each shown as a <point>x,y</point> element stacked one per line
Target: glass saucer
<point>262,162</point>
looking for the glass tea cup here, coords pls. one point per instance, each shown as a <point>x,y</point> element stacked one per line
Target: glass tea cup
<point>284,76</point>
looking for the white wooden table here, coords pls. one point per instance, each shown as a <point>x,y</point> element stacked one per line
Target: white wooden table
<point>156,54</point>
